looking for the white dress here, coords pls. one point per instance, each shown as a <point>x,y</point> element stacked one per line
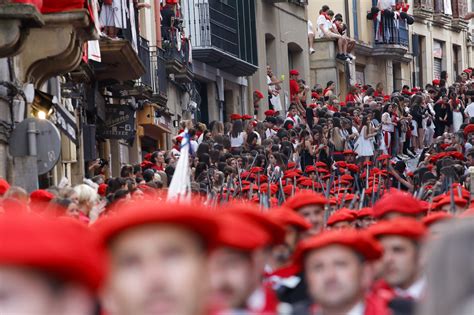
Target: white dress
<point>363,146</point>
<point>115,14</point>
<point>457,120</point>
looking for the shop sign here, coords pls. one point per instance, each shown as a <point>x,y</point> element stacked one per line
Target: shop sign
<point>119,122</point>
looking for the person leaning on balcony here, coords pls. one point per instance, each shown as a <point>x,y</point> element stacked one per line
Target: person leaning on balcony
<point>326,30</point>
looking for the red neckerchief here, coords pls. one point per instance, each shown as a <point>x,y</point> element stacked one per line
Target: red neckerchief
<point>327,16</point>
<point>291,117</point>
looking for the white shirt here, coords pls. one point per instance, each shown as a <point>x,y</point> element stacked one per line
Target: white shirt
<point>324,22</point>
<point>415,291</point>
<point>295,120</point>
<point>386,4</point>
<point>194,146</point>
<point>270,133</point>
<point>470,110</point>
<point>238,141</point>
<point>387,122</point>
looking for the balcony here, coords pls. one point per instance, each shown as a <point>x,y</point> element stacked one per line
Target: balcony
<point>223,34</point>
<point>177,62</point>
<point>392,42</point>
<point>159,78</point>
<point>423,9</point>
<point>16,19</point>
<point>120,59</point>
<point>439,16</point>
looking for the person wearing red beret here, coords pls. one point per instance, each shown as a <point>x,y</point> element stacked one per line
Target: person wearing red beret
<point>402,239</point>
<point>341,219</point>
<point>310,205</point>
<point>396,203</point>
<point>444,204</point>
<point>294,86</point>
<point>158,258</point>
<point>48,266</point>
<point>365,218</point>
<point>295,225</point>
<point>236,266</point>
<point>338,271</point>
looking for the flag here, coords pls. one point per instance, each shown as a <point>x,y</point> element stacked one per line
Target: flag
<point>180,186</point>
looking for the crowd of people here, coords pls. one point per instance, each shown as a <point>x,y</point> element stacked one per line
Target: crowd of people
<point>360,206</point>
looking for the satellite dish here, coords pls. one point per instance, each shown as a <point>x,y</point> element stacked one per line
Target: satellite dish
<point>47,144</point>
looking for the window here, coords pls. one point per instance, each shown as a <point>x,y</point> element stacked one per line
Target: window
<point>437,59</point>
<point>355,14</point>
<point>360,74</point>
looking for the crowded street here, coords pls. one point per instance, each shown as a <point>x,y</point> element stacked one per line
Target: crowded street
<point>237,157</point>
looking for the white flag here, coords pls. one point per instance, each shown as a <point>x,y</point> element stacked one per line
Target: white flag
<point>180,185</point>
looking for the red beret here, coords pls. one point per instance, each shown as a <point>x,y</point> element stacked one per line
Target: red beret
<point>436,217</point>
<point>288,189</point>
<point>287,217</point>
<point>273,188</point>
<point>265,222</point>
<point>349,197</point>
<point>321,164</point>
<point>367,163</point>
<point>467,70</point>
<point>259,94</point>
<point>147,156</point>
<point>145,212</point>
<point>256,169</point>
<point>102,189</point>
<point>386,97</point>
<point>309,169</point>
<point>269,113</point>
<point>365,212</point>
<point>349,152</point>
<point>294,72</point>
<point>446,200</point>
<point>4,186</point>
<point>353,168</point>
<point>359,241</point>
<point>238,231</point>
<point>60,247</point>
<point>468,129</point>
<point>314,95</point>
<point>397,201</point>
<point>406,227</point>
<point>383,157</point>
<point>342,103</point>
<point>436,82</point>
<point>305,198</point>
<point>41,195</point>
<point>179,139</point>
<point>291,165</point>
<point>235,117</point>
<point>342,215</point>
<point>322,170</point>
<point>347,177</point>
<point>246,117</point>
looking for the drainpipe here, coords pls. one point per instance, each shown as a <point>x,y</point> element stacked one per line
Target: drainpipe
<point>158,23</point>
<point>347,15</point>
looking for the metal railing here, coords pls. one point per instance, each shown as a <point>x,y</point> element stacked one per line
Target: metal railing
<point>159,79</point>
<point>228,26</point>
<point>388,31</point>
<point>144,55</point>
